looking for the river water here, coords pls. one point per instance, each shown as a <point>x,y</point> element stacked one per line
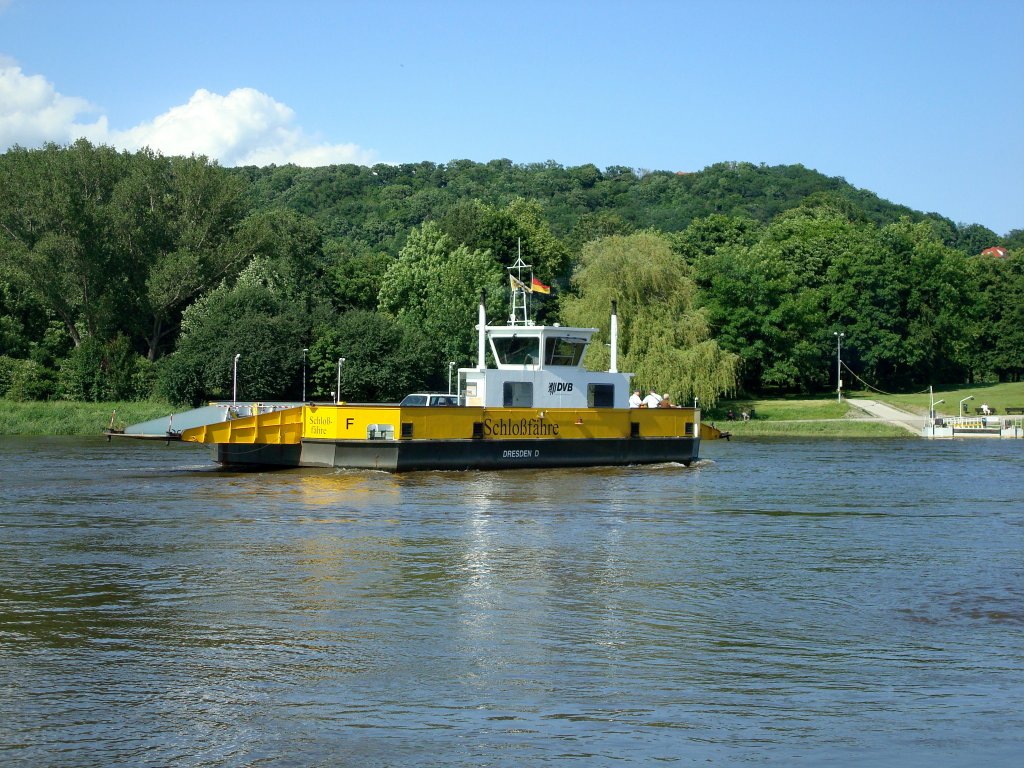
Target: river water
<point>786,602</point>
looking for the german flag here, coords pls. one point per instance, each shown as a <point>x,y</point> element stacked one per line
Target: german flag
<point>538,287</point>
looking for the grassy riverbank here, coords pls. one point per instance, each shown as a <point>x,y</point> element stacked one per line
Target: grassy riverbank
<point>799,417</point>
<point>60,417</point>
<point>997,396</point>
<point>825,417</point>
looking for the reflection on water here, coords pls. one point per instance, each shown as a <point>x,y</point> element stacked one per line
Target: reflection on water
<point>781,602</point>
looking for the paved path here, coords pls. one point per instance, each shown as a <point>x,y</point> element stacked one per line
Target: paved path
<point>883,412</point>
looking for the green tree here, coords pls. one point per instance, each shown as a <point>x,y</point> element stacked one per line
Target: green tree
<point>972,239</point>
<point>995,325</point>
<point>1014,240</point>
<point>291,241</point>
<point>22,320</point>
<point>704,236</point>
<point>176,218</point>
<point>519,227</point>
<point>355,277</point>
<point>434,288</point>
<point>55,234</point>
<point>663,336</point>
<point>737,298</point>
<point>899,300</point>
<point>256,318</point>
<point>598,224</point>
<point>767,302</point>
<point>384,359</point>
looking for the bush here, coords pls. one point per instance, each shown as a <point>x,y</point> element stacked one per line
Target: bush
<point>254,321</point>
<point>30,381</point>
<point>95,372</point>
<point>6,369</point>
<point>180,381</point>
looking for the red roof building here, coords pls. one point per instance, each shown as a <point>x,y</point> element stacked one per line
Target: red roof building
<point>996,252</point>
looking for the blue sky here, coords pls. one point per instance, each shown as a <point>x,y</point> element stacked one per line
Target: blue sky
<point>920,102</point>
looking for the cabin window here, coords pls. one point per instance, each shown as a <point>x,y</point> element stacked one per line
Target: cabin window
<point>444,400</point>
<point>600,395</point>
<point>564,350</point>
<point>516,350</point>
<point>518,394</point>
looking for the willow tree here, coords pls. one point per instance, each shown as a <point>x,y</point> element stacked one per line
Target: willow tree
<point>663,335</point>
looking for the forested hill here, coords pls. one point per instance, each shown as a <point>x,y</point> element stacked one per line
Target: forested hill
<point>124,274</point>
<point>375,208</point>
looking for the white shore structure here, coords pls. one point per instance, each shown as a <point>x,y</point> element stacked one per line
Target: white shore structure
<point>1007,427</point>
<point>937,427</point>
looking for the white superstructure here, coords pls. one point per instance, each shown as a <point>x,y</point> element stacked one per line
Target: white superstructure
<point>538,366</point>
<point>541,366</point>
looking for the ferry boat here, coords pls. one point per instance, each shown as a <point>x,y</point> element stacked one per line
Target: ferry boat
<point>538,406</point>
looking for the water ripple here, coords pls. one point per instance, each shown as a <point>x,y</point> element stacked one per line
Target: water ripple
<point>781,602</point>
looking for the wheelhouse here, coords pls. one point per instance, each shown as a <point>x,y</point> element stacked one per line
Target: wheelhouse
<point>539,366</point>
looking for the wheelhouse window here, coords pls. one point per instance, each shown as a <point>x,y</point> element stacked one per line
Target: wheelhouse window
<point>516,350</point>
<point>564,350</point>
<point>600,395</point>
<point>517,394</point>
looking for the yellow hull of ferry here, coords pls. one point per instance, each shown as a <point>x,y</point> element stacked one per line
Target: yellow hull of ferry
<point>399,438</point>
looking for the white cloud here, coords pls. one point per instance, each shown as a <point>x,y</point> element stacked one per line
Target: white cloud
<point>245,127</point>
<point>33,113</point>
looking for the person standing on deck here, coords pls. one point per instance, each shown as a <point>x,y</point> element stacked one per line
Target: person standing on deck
<point>635,400</point>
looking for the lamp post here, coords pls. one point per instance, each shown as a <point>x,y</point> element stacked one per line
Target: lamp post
<point>450,366</point>
<point>839,365</point>
<point>961,411</point>
<point>234,380</point>
<point>304,351</point>
<point>931,413</point>
<point>337,392</point>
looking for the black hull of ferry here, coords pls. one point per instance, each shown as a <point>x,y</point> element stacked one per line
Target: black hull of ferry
<point>421,455</point>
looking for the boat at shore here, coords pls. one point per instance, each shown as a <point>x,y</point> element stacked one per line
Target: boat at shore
<point>538,406</point>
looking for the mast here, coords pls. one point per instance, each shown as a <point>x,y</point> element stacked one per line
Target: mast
<point>520,276</point>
